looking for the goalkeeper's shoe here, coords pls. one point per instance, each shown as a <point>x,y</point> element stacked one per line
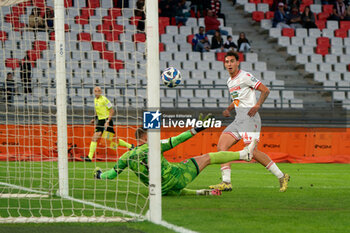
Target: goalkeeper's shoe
<point>250,150</point>
<point>284,182</point>
<point>97,173</point>
<point>223,186</point>
<point>209,192</point>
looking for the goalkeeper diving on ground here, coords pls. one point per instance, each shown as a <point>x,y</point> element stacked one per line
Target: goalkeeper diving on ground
<point>175,176</point>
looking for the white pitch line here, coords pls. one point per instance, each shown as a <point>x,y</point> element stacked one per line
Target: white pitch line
<point>137,216</point>
<point>176,228</point>
<point>22,195</point>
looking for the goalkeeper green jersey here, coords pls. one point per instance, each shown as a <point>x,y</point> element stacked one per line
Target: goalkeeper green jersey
<point>175,176</point>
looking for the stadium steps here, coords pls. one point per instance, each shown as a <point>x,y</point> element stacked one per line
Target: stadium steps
<point>268,51</point>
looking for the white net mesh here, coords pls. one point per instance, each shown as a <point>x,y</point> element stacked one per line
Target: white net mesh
<point>105,46</point>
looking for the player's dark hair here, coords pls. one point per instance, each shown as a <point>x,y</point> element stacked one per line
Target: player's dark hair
<point>140,132</point>
<point>232,54</point>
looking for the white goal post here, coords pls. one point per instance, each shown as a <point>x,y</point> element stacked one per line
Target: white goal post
<point>46,131</point>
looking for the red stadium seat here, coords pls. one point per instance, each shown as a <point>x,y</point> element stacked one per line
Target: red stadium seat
<point>114,12</point>
<point>164,21</point>
<point>134,20</point>
<point>93,3</point>
<point>255,1</point>
<point>68,3</point>
<point>52,36</point>
<point>323,41</point>
<point>220,56</point>
<point>308,2</point>
<point>66,27</point>
<point>270,2</point>
<point>190,38</point>
<point>257,16</point>
<point>116,27</point>
<point>343,33</point>
<point>87,12</point>
<point>81,20</point>
<point>288,32</point>
<point>116,64</point>
<point>327,9</point>
<point>323,16</point>
<point>40,45</point>
<point>103,28</point>
<point>321,24</point>
<point>269,15</point>
<point>33,55</point>
<point>161,47</point>
<point>108,55</point>
<point>139,37</point>
<point>17,26</point>
<point>17,10</point>
<point>323,50</point>
<point>302,7</point>
<point>108,20</point>
<point>10,18</point>
<point>161,30</point>
<point>12,63</point>
<point>25,4</point>
<point>112,36</point>
<point>193,14</point>
<point>3,36</point>
<point>345,25</point>
<point>349,67</point>
<point>241,57</point>
<point>99,46</point>
<point>84,36</point>
<point>39,3</point>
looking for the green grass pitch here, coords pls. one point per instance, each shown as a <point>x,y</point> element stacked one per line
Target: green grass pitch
<point>317,200</point>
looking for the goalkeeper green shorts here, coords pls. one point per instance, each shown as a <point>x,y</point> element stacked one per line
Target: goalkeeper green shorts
<point>188,170</point>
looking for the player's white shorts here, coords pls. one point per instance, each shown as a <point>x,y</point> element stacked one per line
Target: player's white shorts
<point>245,128</point>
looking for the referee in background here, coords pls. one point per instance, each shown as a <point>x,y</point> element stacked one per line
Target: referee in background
<point>104,126</point>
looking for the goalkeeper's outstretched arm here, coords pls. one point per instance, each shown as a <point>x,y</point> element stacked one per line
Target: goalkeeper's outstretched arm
<point>114,172</point>
<point>172,142</point>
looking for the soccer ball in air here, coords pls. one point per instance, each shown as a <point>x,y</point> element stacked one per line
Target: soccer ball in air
<point>171,77</point>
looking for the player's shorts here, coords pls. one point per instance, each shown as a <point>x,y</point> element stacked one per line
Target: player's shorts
<point>245,128</point>
<point>100,126</point>
<point>188,170</point>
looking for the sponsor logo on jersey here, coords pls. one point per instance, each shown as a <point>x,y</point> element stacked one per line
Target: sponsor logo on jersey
<point>235,88</point>
<point>234,94</point>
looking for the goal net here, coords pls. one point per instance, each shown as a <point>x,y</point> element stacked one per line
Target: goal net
<point>105,46</point>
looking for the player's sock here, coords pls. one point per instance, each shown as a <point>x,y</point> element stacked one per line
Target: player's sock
<point>226,174</point>
<point>223,157</point>
<point>110,174</point>
<point>272,167</point>
<point>93,146</point>
<point>188,192</point>
<point>124,144</point>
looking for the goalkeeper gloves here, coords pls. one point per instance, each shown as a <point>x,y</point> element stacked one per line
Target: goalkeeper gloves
<point>200,118</point>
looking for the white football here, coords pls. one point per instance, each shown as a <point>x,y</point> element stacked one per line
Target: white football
<point>171,77</point>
